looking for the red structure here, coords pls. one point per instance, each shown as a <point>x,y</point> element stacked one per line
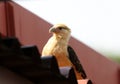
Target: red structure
<point>32,30</point>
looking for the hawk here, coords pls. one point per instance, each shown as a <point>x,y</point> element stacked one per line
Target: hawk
<point>58,46</point>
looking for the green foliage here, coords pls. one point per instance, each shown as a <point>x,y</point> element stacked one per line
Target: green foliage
<point>114,57</point>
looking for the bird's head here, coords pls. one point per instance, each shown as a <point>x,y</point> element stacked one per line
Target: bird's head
<point>60,30</point>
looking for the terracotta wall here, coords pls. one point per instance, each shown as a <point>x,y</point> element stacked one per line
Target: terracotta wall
<point>33,30</point>
<point>100,69</point>
<point>2,19</point>
<point>30,29</point>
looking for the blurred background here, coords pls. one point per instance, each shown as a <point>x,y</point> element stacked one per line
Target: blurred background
<point>96,23</point>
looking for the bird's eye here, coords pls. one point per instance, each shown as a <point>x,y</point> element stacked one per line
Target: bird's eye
<point>60,28</point>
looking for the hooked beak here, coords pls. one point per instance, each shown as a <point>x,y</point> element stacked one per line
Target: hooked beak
<point>52,29</point>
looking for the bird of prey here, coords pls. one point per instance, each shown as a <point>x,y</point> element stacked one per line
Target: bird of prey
<point>58,46</point>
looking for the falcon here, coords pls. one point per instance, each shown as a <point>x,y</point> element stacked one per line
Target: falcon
<point>58,46</point>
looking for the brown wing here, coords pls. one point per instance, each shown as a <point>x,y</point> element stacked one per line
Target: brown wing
<point>75,61</point>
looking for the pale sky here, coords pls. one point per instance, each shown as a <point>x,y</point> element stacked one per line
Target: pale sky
<point>94,22</point>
